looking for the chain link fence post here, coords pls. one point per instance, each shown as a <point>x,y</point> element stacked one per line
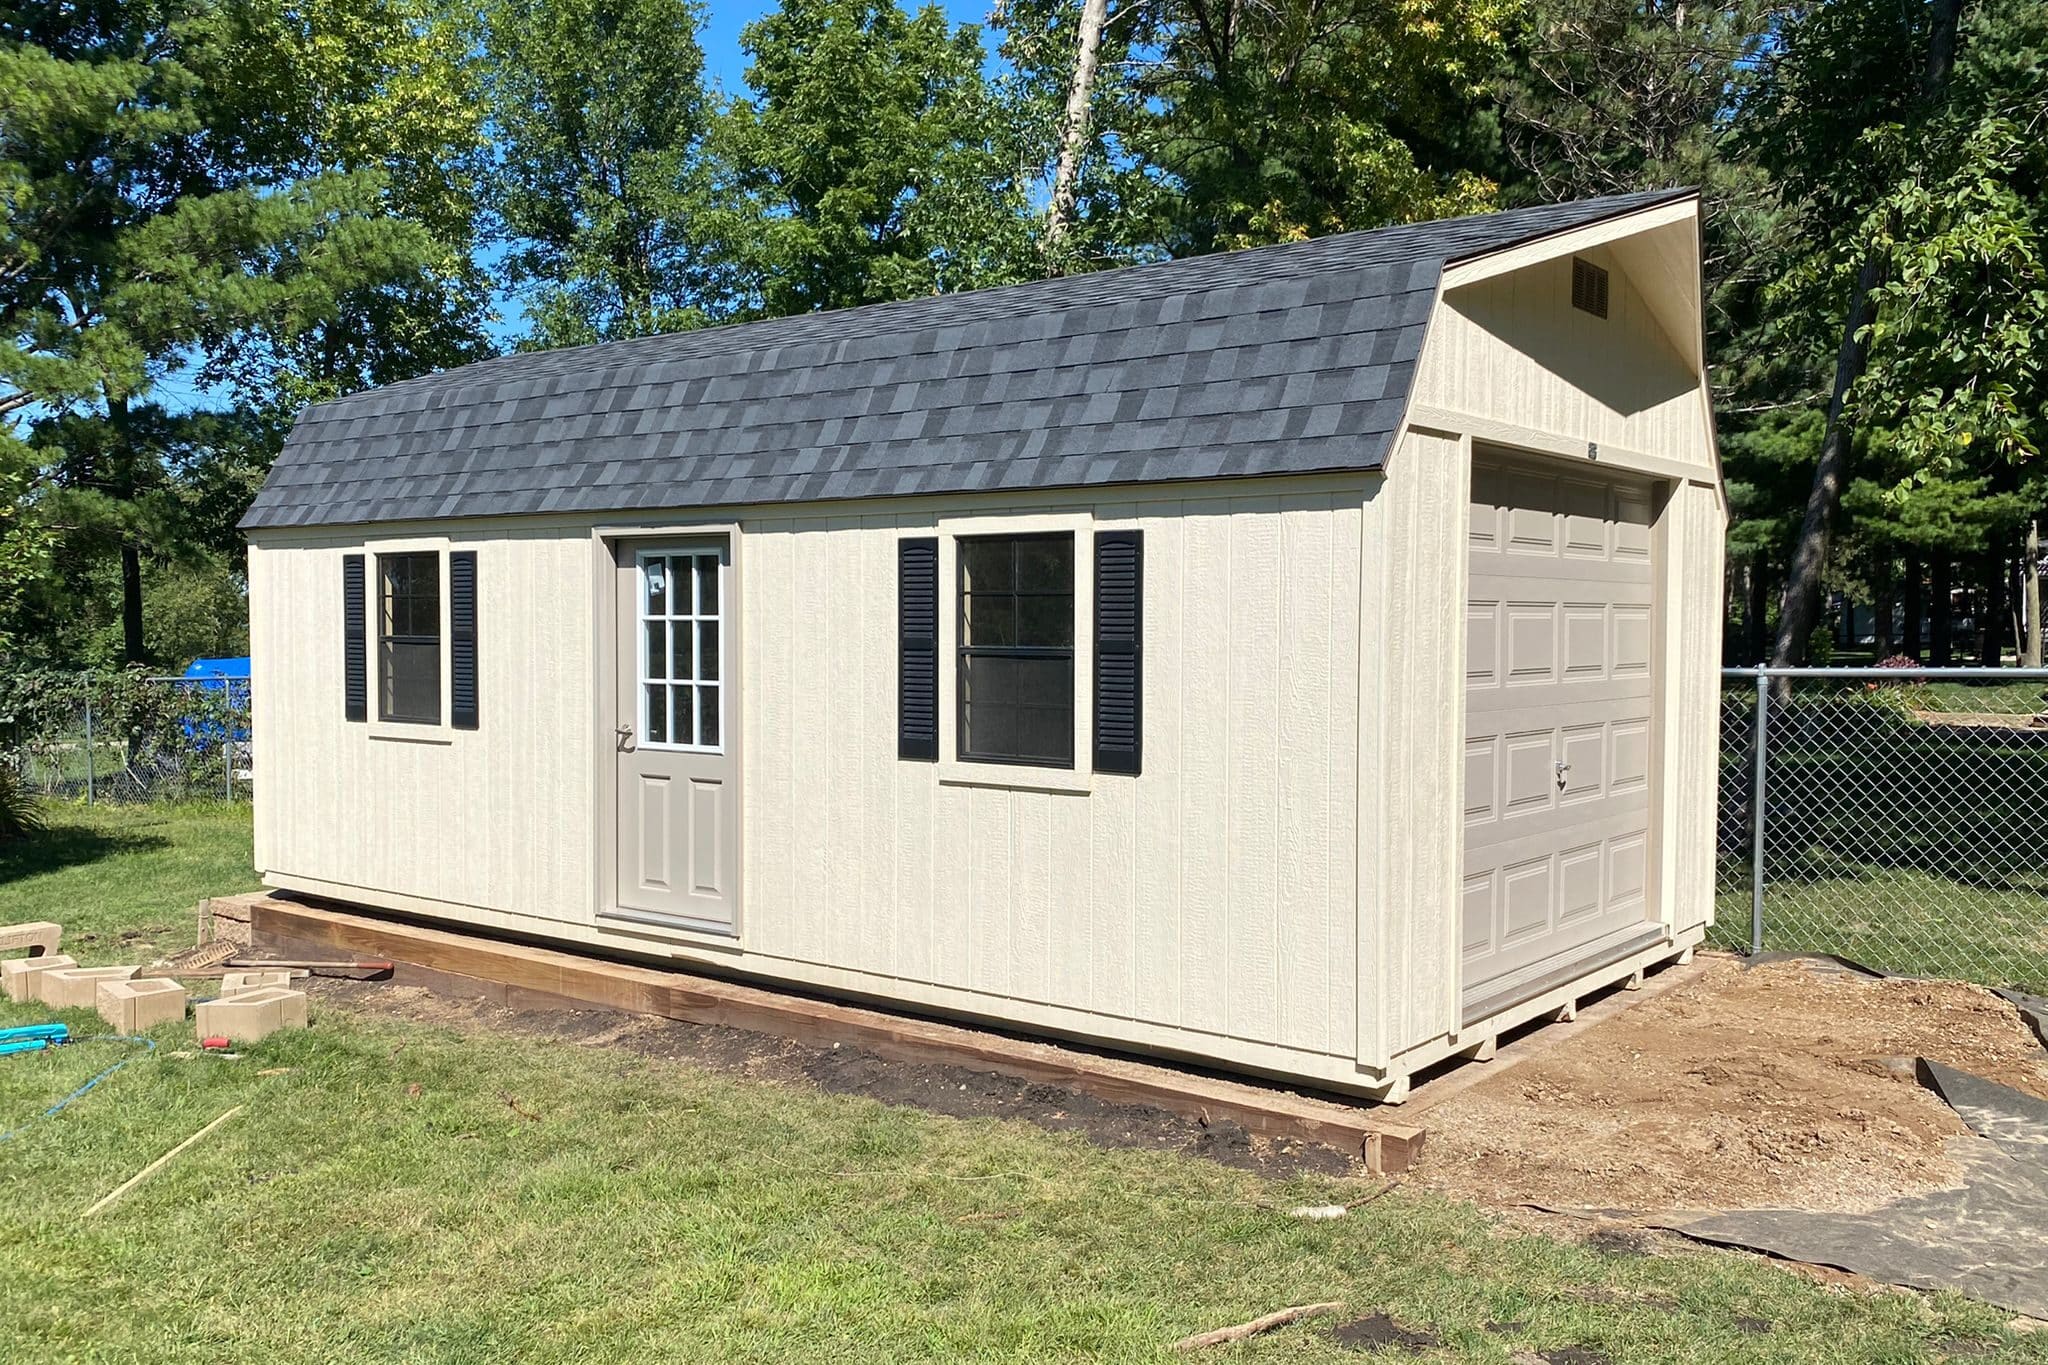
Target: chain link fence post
<point>1757,823</point>
<point>89,754</point>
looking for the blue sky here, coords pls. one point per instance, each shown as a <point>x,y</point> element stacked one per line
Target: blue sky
<point>723,20</point>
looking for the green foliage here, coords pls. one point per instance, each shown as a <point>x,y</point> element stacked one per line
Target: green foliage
<point>265,200</point>
<point>869,161</point>
<point>1276,122</point>
<point>20,813</point>
<point>599,108</point>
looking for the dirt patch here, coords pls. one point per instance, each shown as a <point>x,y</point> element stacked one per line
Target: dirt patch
<point>1378,1332</point>
<point>955,1091</point>
<point>1779,1086</point>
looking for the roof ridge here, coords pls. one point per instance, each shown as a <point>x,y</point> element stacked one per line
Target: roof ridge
<point>1306,257</point>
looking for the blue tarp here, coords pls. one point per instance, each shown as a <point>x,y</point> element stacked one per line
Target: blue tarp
<point>215,675</point>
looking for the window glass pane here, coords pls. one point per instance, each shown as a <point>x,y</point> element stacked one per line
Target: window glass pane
<point>1046,620</point>
<point>707,585</point>
<point>657,649</point>
<point>991,619</point>
<point>656,730</point>
<point>707,651</point>
<point>988,563</point>
<point>409,681</point>
<point>1045,564</point>
<point>656,571</point>
<point>707,717</point>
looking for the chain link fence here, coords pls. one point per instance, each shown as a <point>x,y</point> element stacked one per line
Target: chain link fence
<point>128,736</point>
<point>1894,816</point>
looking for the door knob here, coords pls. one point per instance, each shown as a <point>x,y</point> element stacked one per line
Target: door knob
<point>625,733</point>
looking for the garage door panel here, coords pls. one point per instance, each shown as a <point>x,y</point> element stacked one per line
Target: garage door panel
<point>1482,644</point>
<point>1528,892</point>
<point>1558,706</point>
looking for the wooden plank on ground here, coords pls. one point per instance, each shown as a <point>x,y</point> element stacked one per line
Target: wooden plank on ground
<point>523,975</point>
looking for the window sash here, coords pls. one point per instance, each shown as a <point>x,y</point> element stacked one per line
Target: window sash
<point>1015,726</point>
<point>409,637</point>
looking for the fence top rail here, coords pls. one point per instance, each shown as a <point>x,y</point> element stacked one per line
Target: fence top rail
<point>1988,674</point>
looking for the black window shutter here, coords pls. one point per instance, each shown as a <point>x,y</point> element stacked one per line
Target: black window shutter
<point>917,659</point>
<point>355,644</point>
<point>1119,650</point>
<point>462,639</point>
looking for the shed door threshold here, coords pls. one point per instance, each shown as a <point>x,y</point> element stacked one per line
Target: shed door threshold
<point>1506,992</point>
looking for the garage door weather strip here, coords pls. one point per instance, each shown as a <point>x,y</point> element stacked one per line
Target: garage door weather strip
<point>1488,1006</point>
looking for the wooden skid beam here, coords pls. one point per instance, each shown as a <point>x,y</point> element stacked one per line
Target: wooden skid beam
<point>520,976</point>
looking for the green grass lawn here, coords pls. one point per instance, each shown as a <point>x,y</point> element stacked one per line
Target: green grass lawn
<point>123,880</point>
<point>1898,920</point>
<point>398,1191</point>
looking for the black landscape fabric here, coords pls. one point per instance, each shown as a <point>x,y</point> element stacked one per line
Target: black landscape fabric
<point>1987,1239</point>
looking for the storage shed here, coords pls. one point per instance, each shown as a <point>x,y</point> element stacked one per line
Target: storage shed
<point>1302,659</point>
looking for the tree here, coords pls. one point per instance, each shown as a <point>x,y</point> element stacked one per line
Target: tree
<point>599,112</point>
<point>1898,134</point>
<point>1272,122</point>
<point>171,211</point>
<point>870,161</point>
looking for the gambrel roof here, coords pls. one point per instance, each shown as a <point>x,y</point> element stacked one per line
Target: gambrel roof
<point>1286,359</point>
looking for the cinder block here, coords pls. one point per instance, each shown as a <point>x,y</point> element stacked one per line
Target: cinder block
<point>138,1006</point>
<point>39,937</point>
<point>18,974</point>
<point>235,983</point>
<point>76,988</point>
<point>251,1015</point>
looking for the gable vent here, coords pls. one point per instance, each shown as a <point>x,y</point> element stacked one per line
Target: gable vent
<point>1589,287</point>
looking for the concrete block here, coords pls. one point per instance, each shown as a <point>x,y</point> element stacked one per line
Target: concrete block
<point>38,937</point>
<point>138,1006</point>
<point>18,974</point>
<point>77,988</point>
<point>235,983</point>
<point>251,1015</point>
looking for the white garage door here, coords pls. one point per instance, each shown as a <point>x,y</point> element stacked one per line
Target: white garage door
<point>1557,723</point>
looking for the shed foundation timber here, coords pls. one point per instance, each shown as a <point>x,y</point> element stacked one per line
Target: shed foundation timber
<point>524,976</point>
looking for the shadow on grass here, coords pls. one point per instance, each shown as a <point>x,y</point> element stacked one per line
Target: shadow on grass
<point>61,846</point>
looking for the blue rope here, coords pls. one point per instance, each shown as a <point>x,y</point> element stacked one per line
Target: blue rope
<point>53,1110</point>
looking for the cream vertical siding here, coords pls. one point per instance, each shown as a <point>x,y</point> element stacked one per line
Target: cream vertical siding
<point>1411,800</point>
<point>1208,906</point>
<point>1691,749</point>
<point>1213,895</point>
<point>499,817</point>
<point>1512,349</point>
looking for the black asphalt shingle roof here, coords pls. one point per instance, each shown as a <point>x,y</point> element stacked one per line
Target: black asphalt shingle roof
<point>1279,360</point>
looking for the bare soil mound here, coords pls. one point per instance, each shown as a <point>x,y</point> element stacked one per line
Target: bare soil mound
<point>1781,1086</point>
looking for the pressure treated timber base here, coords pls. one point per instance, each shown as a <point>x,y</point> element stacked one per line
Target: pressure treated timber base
<point>522,976</point>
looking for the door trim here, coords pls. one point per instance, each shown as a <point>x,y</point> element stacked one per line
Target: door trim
<point>607,543</point>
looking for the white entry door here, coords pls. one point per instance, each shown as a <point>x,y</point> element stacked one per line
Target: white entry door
<point>678,814</point>
<point>1558,708</point>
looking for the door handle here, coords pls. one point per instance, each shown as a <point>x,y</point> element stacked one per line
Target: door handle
<point>625,743</point>
<point>1562,768</point>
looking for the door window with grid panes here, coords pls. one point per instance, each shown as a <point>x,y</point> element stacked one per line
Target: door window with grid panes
<point>681,639</point>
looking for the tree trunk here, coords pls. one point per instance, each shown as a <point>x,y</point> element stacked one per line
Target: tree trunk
<point>2030,594</point>
<point>1942,612</point>
<point>1755,628</point>
<point>1074,132</point>
<point>1881,611</point>
<point>131,603</point>
<point>1914,627</point>
<point>1800,608</point>
<point>1991,621</point>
